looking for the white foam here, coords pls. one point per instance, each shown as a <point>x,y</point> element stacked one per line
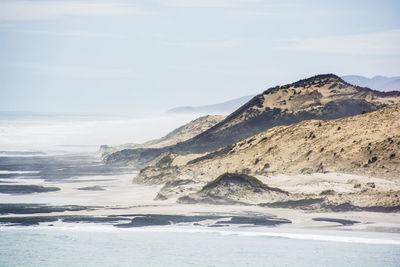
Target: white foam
<point>18,172</point>
<point>22,181</point>
<point>299,234</point>
<point>39,199</point>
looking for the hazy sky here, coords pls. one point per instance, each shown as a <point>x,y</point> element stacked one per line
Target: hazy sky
<point>135,56</point>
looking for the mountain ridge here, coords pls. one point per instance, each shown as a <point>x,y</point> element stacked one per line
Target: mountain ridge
<point>259,115</point>
<point>323,96</point>
<point>231,105</point>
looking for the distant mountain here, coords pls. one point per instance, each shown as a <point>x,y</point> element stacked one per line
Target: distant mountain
<point>380,83</point>
<point>220,108</point>
<point>323,97</point>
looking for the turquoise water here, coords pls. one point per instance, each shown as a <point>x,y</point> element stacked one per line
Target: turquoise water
<point>71,247</point>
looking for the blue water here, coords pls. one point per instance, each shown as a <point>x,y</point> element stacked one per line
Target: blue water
<point>71,247</point>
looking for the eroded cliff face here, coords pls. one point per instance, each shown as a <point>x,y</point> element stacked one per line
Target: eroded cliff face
<point>367,144</point>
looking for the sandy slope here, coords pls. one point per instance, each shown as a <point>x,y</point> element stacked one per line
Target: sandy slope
<point>180,134</point>
<point>343,155</point>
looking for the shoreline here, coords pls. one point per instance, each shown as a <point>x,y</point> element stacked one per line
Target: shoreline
<point>273,232</point>
<point>118,197</point>
<point>208,216</point>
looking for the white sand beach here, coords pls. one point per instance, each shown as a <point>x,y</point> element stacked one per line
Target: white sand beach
<point>117,195</point>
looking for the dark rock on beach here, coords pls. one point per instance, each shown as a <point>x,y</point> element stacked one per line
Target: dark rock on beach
<point>92,188</point>
<point>28,208</point>
<point>26,189</point>
<point>341,221</point>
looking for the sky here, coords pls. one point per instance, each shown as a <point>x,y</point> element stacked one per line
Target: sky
<point>137,57</point>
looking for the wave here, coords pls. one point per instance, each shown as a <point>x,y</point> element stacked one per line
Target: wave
<point>18,172</point>
<point>27,180</point>
<point>299,234</point>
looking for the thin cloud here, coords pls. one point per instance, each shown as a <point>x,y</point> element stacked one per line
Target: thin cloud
<point>209,3</point>
<point>43,10</point>
<point>379,43</point>
<point>207,44</point>
<point>80,34</point>
<point>220,68</point>
<point>76,71</point>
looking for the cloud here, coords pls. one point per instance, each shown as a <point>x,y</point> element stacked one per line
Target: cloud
<point>83,34</point>
<point>42,10</point>
<point>158,35</point>
<point>209,3</point>
<point>76,71</point>
<point>379,43</point>
<point>221,68</point>
<point>207,44</point>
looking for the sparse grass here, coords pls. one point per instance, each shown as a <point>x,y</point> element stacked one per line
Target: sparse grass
<point>212,155</point>
<point>263,139</point>
<point>165,161</point>
<point>328,192</point>
<point>241,178</point>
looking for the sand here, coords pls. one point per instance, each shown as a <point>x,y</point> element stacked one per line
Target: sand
<point>120,196</point>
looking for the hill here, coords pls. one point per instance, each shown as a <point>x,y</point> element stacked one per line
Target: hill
<point>352,160</point>
<point>380,83</point>
<point>180,134</point>
<point>234,188</point>
<point>320,97</point>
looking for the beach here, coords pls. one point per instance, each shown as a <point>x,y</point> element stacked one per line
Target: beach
<point>114,195</point>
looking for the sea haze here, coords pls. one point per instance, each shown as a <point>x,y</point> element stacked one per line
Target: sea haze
<point>22,132</point>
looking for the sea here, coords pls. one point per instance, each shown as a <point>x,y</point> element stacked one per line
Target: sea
<point>38,148</point>
<point>152,247</point>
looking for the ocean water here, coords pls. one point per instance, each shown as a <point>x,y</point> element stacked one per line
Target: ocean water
<point>123,247</point>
